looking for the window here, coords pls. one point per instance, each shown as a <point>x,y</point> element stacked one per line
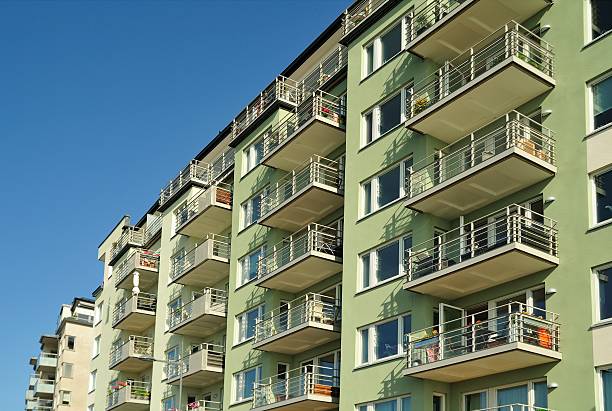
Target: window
<point>384,188</point>
<point>384,117</point>
<point>384,263</point>
<point>246,323</point>
<point>169,404</point>
<point>383,48</point>
<point>249,266</point>
<point>603,277</point>
<point>383,340</point>
<point>172,357</point>
<point>92,380</point>
<point>601,101</point>
<point>253,155</point>
<point>601,17</point>
<point>601,187</point>
<point>67,370</point>
<point>65,397</point>
<point>96,346</point>
<point>98,312</point>
<point>606,388</point>
<point>475,401</point>
<point>244,382</point>
<point>251,210</point>
<point>534,394</point>
<point>70,342</point>
<point>396,404</point>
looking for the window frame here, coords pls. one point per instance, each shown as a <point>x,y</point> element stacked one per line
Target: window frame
<point>374,184</point>
<point>371,405</point>
<point>68,337</point>
<point>372,253</point>
<point>589,15</point>
<point>600,384</point>
<point>593,195</point>
<point>377,49</point>
<point>241,321</point>
<point>238,383</point>
<point>372,338</point>
<point>246,210</point>
<point>597,294</point>
<point>69,366</point>
<point>249,151</point>
<point>91,384</point>
<point>63,395</point>
<point>491,392</point>
<point>376,116</point>
<point>244,265</point>
<point>98,311</point>
<point>591,101</point>
<point>96,346</point>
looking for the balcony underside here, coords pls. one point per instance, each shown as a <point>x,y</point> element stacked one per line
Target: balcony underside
<point>201,378</point>
<point>506,86</point>
<point>302,273</point>
<point>214,219</point>
<point>131,405</point>
<point>136,321</point>
<point>200,326</point>
<point>206,274</point>
<point>496,266</point>
<point>508,357</point>
<point>468,24</point>
<point>497,177</point>
<point>308,205</point>
<point>299,339</point>
<point>148,278</point>
<point>319,136</point>
<point>44,393</point>
<point>46,368</point>
<point>131,365</point>
<point>122,251</point>
<point>310,402</point>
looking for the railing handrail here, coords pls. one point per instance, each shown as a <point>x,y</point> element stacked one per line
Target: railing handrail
<point>45,381</point>
<point>142,300</point>
<point>122,269</point>
<point>152,227</point>
<point>333,376</point>
<point>216,238</point>
<point>130,234</point>
<point>222,193</point>
<point>336,59</point>
<point>361,9</point>
<point>48,355</point>
<point>183,260</point>
<point>303,301</point>
<point>216,299</point>
<point>204,405</point>
<point>515,407</point>
<point>209,347</point>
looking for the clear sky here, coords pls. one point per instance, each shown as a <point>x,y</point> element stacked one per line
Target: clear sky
<point>101,103</point>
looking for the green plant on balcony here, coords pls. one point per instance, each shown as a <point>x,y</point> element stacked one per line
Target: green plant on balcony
<point>420,104</point>
<point>529,60</point>
<point>140,392</point>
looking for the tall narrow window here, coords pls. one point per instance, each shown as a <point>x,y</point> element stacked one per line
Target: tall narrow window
<point>606,387</point>
<point>250,265</point>
<point>384,188</point>
<point>601,17</point>
<point>601,186</point>
<point>384,263</point>
<point>604,291</point>
<point>602,100</point>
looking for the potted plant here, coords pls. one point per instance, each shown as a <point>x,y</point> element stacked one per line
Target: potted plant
<point>420,104</point>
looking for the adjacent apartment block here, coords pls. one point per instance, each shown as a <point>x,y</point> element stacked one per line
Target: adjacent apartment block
<point>61,370</point>
<point>416,214</point>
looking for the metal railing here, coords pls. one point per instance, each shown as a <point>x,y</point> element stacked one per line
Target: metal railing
<point>153,226</point>
<point>515,407</point>
<point>132,390</point>
<point>213,299</point>
<point>428,14</point>
<point>194,171</point>
<point>511,40</point>
<point>317,104</point>
<point>139,258</point>
<point>42,405</point>
<point>204,405</point>
<point>314,237</point>
<point>183,261</point>
<point>222,163</point>
<point>135,345</point>
<point>47,355</point>
<point>514,322</point>
<point>144,301</point>
<point>513,224</point>
<point>223,195</point>
<point>318,170</point>
<point>514,130</point>
<point>130,235</point>
<point>310,379</point>
<point>311,307</point>
<point>354,16</point>
<point>214,356</point>
<point>282,88</point>
<point>335,61</point>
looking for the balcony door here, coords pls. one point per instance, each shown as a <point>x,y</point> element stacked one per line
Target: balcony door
<point>452,335</point>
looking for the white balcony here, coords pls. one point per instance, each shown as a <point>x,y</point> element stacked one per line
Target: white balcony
<point>204,265</point>
<point>132,356</point>
<point>135,314</point>
<point>201,366</point>
<point>46,362</point>
<point>44,388</point>
<point>202,316</point>
<point>209,212</point>
<point>130,237</point>
<point>129,396</point>
<point>143,262</point>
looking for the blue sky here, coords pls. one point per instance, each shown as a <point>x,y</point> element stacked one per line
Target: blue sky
<point>101,103</point>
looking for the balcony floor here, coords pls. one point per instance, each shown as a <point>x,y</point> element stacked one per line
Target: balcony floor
<point>200,326</point>
<point>310,402</point>
<point>508,357</point>
<point>299,339</point>
<point>214,219</point>
<point>502,175</point>
<point>497,266</point>
<point>132,365</point>
<point>205,274</point>
<point>200,378</point>
<point>148,278</point>
<point>131,405</point>
<point>137,321</point>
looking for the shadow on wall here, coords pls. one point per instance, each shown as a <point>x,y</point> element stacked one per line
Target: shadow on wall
<point>399,223</point>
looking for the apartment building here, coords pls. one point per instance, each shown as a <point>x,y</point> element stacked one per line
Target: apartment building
<point>61,370</point>
<point>414,214</point>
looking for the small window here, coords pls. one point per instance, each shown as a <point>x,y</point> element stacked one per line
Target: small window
<point>98,312</point>
<point>475,401</point>
<point>70,342</point>
<point>253,155</point>
<point>246,321</point>
<point>384,188</point>
<point>395,404</point>
<point>601,17</point>
<point>244,382</point>
<point>65,397</point>
<point>251,210</point>
<point>606,388</point>
<point>601,92</point>
<point>249,266</point>
<point>384,117</point>
<point>96,346</point>
<point>383,340</point>
<point>601,187</point>
<point>603,279</point>
<point>169,404</point>
<point>384,263</point>
<point>383,48</point>
<point>67,370</point>
<point>92,380</point>
<point>369,59</point>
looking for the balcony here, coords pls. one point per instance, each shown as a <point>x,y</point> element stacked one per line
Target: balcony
<point>305,323</point>
<point>504,71</point>
<point>47,362</point>
<point>506,156</point>
<point>304,196</point>
<point>202,316</point>
<point>317,127</point>
<point>326,70</point>
<point>511,243</point>
<point>306,388</point>
<point>44,388</point>
<point>283,91</point>
<point>129,396</point>
<point>201,366</point>
<point>442,29</point>
<point>509,337</point>
<point>203,405</point>
<point>143,262</point>
<point>135,314</point>
<point>41,405</point>
<point>204,265</point>
<point>358,13</point>
<point>302,259</point>
<point>133,355</point>
<point>209,212</point>
<point>130,237</point>
<point>152,229</point>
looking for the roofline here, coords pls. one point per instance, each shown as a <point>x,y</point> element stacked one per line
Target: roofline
<point>97,291</point>
<point>114,228</point>
<point>151,210</point>
<point>83,299</point>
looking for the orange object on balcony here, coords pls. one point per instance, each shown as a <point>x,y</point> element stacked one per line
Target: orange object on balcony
<point>544,338</point>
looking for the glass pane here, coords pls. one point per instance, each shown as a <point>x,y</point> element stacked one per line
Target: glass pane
<point>387,261</point>
<point>386,339</point>
<point>539,303</point>
<point>406,404</point>
<point>606,382</point>
<point>363,408</point>
<point>391,43</point>
<point>603,196</point>
<point>388,186</point>
<point>367,128</point>
<point>390,114</point>
<point>605,293</point>
<point>365,342</point>
<point>476,401</point>
<point>256,206</point>
<point>369,56</point>
<point>251,319</point>
<point>365,264</point>
<point>367,198</point>
<point>601,11</point>
<point>541,394</point>
<point>386,406</point>
<point>513,395</point>
<point>437,403</point>
<point>249,381</point>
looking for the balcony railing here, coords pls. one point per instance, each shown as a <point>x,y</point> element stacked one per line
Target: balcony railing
<point>144,302</point>
<point>204,405</point>
<point>136,345</point>
<point>428,14</point>
<point>354,16</point>
<point>512,40</point>
<point>314,237</point>
<point>43,405</point>
<point>515,407</point>
<point>318,170</point>
<point>152,228</point>
<point>315,308</point>
<point>223,195</point>
<point>215,300</point>
<point>317,104</point>
<point>126,391</point>
<point>301,382</point>
<point>514,130</point>
<point>185,261</point>
<point>195,171</point>
<point>214,356</point>
<point>514,224</point>
<point>140,258</point>
<point>131,235</point>
<point>506,324</point>
<point>281,89</point>
<point>326,69</point>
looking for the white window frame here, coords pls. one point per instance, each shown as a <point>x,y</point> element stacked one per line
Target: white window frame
<point>371,406</point>
<point>591,100</point>
<point>63,394</point>
<point>246,210</point>
<point>244,265</point>
<point>240,330</point>
<point>95,351</point>
<point>377,62</point>
<point>73,343</point>
<point>91,385</point>
<point>372,341</point>
<point>593,190</point>
<point>589,16</point>
<point>374,187</point>
<point>600,391</point>
<point>596,293</point>
<point>67,366</point>
<point>375,111</point>
<point>238,384</point>
<point>249,154</point>
<point>169,403</point>
<point>492,392</point>
<point>98,310</point>
<point>372,281</point>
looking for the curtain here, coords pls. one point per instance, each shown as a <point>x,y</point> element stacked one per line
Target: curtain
<point>512,395</point>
